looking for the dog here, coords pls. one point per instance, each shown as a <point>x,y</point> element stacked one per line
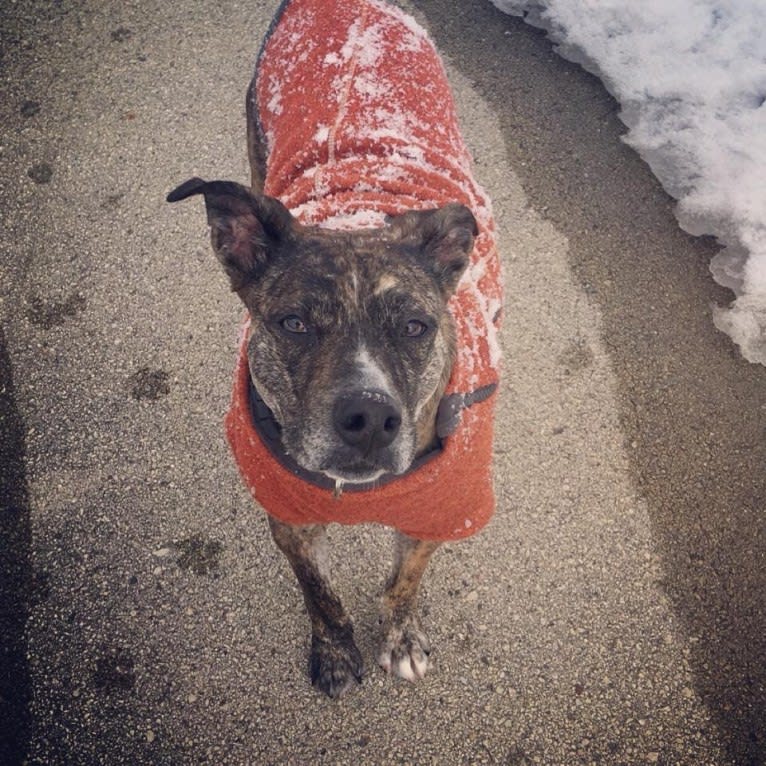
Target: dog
<point>364,254</point>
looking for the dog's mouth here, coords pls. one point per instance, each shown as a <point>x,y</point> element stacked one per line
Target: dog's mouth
<point>361,472</point>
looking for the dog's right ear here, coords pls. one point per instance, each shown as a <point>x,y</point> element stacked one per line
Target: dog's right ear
<point>244,228</point>
<point>443,237</point>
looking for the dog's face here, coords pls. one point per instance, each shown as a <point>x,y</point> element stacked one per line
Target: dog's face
<point>351,343</point>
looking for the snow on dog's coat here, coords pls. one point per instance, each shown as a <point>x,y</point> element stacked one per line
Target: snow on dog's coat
<point>353,105</point>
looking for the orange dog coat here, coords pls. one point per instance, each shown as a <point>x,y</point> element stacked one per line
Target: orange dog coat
<point>359,122</point>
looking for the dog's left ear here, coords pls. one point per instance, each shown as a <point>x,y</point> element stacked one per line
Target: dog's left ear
<point>244,228</point>
<point>443,239</point>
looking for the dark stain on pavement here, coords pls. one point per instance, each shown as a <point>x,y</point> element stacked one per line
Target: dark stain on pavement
<point>48,314</point>
<point>29,108</point>
<point>576,356</point>
<point>147,383</point>
<point>112,201</point>
<point>693,408</point>
<point>115,671</point>
<point>15,573</point>
<point>199,554</point>
<point>41,173</point>
<point>121,34</point>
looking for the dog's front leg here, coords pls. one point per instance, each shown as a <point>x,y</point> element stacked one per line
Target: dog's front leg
<point>405,647</point>
<point>335,663</point>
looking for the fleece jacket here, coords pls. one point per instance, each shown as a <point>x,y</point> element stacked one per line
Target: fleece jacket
<point>352,102</point>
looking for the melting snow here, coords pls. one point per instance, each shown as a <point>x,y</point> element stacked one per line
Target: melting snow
<point>691,78</point>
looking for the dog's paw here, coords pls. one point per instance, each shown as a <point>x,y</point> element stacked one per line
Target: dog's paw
<point>405,650</point>
<point>335,665</point>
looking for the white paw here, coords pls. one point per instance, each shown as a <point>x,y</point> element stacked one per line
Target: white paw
<point>405,652</point>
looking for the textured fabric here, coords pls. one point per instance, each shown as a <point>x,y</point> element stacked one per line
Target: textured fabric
<point>354,106</point>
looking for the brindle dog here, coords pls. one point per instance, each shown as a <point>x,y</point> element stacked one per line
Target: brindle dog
<point>351,347</point>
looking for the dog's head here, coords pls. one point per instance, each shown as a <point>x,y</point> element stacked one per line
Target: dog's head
<point>351,343</point>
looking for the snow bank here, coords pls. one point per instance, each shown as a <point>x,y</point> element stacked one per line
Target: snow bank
<point>691,78</point>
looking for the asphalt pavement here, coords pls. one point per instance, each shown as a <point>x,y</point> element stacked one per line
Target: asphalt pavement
<point>613,612</point>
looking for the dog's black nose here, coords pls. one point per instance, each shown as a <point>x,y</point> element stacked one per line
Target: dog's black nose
<point>368,420</point>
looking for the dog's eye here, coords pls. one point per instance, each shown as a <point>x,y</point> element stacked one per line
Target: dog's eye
<point>415,328</point>
<point>293,324</point>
